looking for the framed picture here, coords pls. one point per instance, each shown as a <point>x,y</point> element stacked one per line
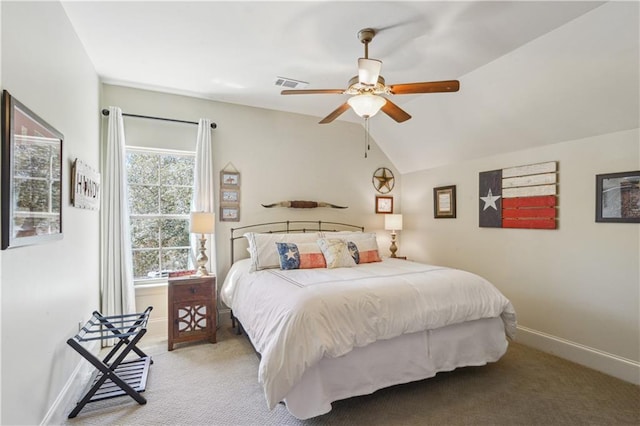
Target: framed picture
<point>229,179</point>
<point>229,214</point>
<point>229,196</point>
<point>618,197</point>
<point>31,177</point>
<point>444,202</point>
<point>384,204</point>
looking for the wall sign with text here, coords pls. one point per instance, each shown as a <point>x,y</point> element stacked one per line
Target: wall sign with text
<point>85,186</point>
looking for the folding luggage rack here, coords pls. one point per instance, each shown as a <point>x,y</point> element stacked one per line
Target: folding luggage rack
<point>117,377</point>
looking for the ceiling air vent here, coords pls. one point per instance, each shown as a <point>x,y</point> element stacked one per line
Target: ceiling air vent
<point>290,83</point>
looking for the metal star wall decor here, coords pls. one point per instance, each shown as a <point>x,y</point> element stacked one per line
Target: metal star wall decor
<point>383,180</point>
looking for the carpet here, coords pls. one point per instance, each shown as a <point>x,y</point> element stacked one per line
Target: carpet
<point>217,384</point>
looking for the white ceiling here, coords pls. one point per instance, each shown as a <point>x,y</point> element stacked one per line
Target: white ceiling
<point>531,73</point>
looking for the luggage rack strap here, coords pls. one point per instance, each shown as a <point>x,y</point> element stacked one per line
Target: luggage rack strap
<point>100,327</point>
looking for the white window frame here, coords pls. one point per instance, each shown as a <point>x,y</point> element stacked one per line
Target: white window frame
<point>147,282</point>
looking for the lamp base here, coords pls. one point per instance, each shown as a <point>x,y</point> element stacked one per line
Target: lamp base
<point>202,258</point>
<point>393,248</point>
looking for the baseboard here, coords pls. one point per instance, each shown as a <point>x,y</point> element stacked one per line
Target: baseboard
<point>71,391</point>
<point>613,365</point>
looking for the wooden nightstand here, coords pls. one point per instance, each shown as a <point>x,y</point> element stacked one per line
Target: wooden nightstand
<point>192,309</point>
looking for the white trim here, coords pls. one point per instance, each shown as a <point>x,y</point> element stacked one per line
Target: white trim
<point>72,389</point>
<point>613,365</point>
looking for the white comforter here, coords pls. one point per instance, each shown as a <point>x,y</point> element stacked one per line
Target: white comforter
<point>295,318</point>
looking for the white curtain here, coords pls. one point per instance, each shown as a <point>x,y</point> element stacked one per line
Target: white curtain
<point>117,293</point>
<point>203,188</point>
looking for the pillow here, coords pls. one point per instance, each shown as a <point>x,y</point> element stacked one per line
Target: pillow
<point>364,250</point>
<point>347,235</point>
<point>336,253</point>
<point>300,256</point>
<point>263,251</point>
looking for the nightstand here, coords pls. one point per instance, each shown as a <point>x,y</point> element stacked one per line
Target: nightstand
<point>192,309</point>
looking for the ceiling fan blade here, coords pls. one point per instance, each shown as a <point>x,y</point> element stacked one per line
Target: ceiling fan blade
<point>395,112</point>
<point>313,92</point>
<point>426,87</point>
<point>368,71</point>
<point>335,114</point>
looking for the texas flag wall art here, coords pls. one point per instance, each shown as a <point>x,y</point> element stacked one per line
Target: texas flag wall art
<point>519,197</point>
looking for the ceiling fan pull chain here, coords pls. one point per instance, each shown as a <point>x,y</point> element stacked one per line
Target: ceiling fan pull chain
<point>367,146</point>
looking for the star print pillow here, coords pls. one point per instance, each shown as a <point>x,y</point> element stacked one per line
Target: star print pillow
<point>300,256</point>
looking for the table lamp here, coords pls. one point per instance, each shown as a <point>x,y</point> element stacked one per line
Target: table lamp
<point>393,223</point>
<point>202,223</point>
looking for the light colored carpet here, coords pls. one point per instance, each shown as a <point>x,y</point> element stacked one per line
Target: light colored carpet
<point>206,384</point>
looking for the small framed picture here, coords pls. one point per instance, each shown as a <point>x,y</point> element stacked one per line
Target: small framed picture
<point>444,202</point>
<point>618,197</point>
<point>384,204</point>
<point>229,179</point>
<point>229,196</point>
<point>229,214</point>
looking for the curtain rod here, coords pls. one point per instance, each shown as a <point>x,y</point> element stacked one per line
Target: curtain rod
<point>105,112</point>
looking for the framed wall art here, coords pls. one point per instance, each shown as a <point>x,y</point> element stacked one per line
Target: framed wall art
<point>229,194</point>
<point>230,179</point>
<point>229,214</point>
<point>384,204</point>
<point>618,197</point>
<point>31,176</point>
<point>444,202</point>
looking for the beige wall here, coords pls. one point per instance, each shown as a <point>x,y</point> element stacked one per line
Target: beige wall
<point>575,289</point>
<point>280,156</point>
<point>47,289</point>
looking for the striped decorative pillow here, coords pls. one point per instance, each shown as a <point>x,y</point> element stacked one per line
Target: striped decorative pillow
<point>300,256</point>
<point>364,250</point>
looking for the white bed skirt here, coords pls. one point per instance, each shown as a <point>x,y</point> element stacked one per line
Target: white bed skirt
<point>404,359</point>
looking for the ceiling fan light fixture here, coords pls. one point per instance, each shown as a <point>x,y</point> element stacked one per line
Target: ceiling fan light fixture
<point>366,105</point>
<point>368,71</point>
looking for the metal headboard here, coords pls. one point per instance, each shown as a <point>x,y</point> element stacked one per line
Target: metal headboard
<point>289,227</point>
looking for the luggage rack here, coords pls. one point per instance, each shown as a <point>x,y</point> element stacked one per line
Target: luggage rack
<point>114,377</point>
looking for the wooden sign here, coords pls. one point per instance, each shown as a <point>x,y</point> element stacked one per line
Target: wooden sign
<point>519,197</point>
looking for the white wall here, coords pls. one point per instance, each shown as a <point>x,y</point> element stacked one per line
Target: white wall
<point>47,289</point>
<point>575,289</point>
<point>280,156</point>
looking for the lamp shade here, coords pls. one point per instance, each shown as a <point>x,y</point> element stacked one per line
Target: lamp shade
<point>366,105</point>
<point>202,222</point>
<point>393,222</point>
<point>368,71</point>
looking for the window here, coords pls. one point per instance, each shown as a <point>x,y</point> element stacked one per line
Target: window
<point>160,191</point>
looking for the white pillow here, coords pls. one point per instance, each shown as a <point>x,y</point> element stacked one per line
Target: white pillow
<point>347,235</point>
<point>263,249</point>
<point>336,253</point>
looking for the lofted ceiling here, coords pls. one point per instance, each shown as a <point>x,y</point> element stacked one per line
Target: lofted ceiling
<point>531,73</point>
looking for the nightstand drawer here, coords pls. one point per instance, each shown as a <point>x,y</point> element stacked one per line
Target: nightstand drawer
<point>185,291</point>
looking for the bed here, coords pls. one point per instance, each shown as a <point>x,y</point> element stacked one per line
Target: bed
<point>331,319</point>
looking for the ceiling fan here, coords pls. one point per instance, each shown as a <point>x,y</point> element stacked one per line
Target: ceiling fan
<point>367,87</point>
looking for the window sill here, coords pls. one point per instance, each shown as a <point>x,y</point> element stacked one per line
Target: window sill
<point>152,283</point>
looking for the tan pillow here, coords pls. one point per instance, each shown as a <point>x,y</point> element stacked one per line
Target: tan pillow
<point>336,253</point>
